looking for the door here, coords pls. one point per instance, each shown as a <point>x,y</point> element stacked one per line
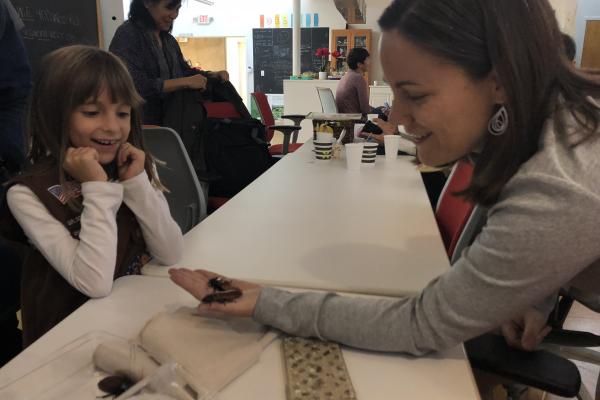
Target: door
<point>591,45</point>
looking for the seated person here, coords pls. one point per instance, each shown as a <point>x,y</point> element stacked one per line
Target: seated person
<point>534,134</point>
<point>352,94</point>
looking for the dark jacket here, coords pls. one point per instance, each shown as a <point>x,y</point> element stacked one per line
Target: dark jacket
<point>15,85</point>
<point>133,44</point>
<point>46,297</point>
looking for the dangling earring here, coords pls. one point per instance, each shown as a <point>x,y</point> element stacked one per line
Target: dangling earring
<point>499,122</point>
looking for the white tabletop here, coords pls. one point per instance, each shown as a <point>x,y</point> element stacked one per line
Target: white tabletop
<point>374,375</point>
<point>314,224</point>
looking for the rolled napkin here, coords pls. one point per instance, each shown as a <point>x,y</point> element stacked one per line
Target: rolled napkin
<point>213,351</point>
<point>124,358</point>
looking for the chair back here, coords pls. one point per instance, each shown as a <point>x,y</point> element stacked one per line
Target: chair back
<point>453,212</point>
<point>266,114</point>
<point>187,201</point>
<point>327,100</point>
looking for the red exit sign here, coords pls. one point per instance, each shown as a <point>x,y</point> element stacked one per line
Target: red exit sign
<point>202,20</point>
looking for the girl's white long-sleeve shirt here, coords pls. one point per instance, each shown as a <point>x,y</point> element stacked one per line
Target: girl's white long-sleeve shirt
<point>88,264</point>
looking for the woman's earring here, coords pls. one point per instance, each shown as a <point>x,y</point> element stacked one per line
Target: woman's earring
<point>499,122</point>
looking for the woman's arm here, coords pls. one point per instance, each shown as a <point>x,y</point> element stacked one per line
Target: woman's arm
<point>161,233</point>
<point>535,241</point>
<point>88,264</point>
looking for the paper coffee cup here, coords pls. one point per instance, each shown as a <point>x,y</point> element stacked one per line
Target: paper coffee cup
<point>354,155</point>
<point>392,145</point>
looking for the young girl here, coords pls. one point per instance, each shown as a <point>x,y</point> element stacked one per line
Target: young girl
<point>89,200</point>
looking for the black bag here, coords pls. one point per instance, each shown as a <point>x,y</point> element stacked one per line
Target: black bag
<point>236,153</point>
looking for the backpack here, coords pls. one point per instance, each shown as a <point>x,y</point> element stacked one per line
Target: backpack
<point>235,152</point>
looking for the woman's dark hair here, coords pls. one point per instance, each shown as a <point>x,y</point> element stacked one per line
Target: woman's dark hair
<point>139,14</point>
<point>521,42</point>
<point>357,55</point>
<point>570,47</point>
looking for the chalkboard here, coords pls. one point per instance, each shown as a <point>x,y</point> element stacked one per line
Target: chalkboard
<point>272,50</point>
<point>51,24</point>
<point>312,39</point>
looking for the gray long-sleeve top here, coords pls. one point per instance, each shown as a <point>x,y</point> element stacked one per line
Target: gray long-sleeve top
<point>543,233</point>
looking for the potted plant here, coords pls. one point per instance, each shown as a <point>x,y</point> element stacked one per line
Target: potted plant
<point>337,61</point>
<point>323,52</point>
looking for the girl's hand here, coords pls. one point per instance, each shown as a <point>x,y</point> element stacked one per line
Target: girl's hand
<point>130,161</point>
<point>527,331</point>
<point>82,163</point>
<point>196,283</point>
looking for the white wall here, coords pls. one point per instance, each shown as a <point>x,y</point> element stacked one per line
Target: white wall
<point>566,11</point>
<point>238,17</point>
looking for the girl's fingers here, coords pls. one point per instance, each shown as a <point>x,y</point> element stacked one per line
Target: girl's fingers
<point>124,151</point>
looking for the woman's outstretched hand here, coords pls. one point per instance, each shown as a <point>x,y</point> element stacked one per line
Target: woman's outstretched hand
<point>196,283</point>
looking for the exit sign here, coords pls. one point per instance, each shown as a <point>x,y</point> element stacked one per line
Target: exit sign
<point>202,20</point>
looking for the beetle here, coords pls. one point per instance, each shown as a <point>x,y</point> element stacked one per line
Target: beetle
<point>223,291</point>
<point>222,296</point>
<point>219,283</point>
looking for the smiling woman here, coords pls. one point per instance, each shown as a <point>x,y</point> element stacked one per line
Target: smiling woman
<point>153,56</point>
<point>480,79</point>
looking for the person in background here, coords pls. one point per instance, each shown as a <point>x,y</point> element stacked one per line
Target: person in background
<point>570,47</point>
<point>15,86</point>
<point>478,79</point>
<point>153,56</point>
<point>89,200</point>
<point>352,94</point>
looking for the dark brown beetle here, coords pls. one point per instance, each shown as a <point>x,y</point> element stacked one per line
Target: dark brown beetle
<point>219,283</point>
<point>226,296</point>
<point>223,291</point>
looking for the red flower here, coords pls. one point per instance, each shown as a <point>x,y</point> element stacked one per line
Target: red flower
<point>322,52</point>
<point>336,54</point>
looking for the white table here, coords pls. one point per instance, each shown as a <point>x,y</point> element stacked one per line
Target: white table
<point>304,223</point>
<point>375,376</point>
<point>314,224</point>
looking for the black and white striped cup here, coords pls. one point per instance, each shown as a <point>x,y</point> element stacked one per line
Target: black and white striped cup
<point>369,154</point>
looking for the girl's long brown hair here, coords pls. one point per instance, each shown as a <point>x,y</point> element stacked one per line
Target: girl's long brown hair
<point>70,77</point>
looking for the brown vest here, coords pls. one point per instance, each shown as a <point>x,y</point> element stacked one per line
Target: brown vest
<point>46,297</point>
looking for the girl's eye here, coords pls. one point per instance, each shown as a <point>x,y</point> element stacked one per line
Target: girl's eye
<point>90,113</point>
<point>124,114</point>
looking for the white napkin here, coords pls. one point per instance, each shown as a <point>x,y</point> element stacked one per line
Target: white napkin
<point>213,351</point>
<point>120,357</point>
